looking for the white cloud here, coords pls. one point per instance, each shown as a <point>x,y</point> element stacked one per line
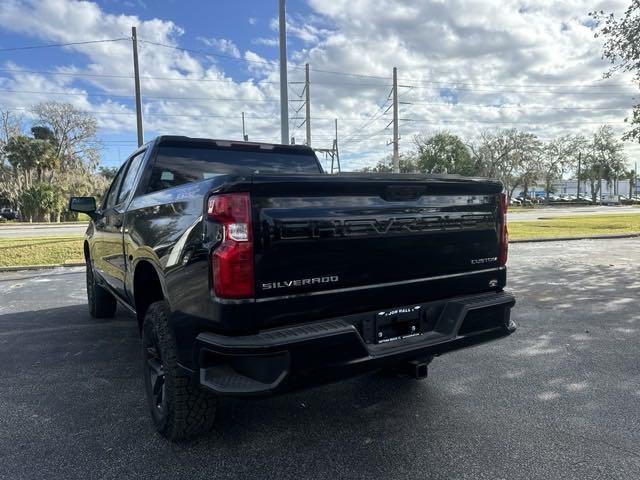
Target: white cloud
<point>308,29</point>
<point>456,60</point>
<point>222,45</point>
<point>460,57</point>
<point>252,20</point>
<point>269,42</point>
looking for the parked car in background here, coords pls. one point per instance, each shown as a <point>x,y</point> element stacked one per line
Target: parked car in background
<point>9,214</point>
<point>525,202</point>
<point>610,200</point>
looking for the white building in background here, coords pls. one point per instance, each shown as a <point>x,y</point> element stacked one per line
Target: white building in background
<point>570,187</point>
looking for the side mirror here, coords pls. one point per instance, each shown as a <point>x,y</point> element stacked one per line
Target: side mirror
<point>83,205</point>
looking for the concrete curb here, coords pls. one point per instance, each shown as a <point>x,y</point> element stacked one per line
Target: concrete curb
<point>588,237</point>
<point>17,268</point>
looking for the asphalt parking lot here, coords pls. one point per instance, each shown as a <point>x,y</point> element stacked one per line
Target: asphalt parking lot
<point>558,399</point>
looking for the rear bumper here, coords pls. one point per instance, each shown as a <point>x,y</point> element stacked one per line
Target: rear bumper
<point>323,351</point>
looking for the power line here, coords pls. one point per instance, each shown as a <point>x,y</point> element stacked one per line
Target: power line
<point>180,79</point>
<point>320,82</point>
<point>434,104</point>
<point>416,82</point>
<point>525,92</point>
<point>213,54</point>
<point>146,96</point>
<point>105,75</point>
<point>540,122</point>
<point>52,45</point>
<point>362,137</point>
<point>514,85</point>
<point>370,119</point>
<point>150,114</point>
<point>509,105</point>
<point>198,51</point>
<point>262,62</point>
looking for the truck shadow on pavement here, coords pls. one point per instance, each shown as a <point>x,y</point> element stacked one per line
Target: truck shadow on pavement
<point>73,384</point>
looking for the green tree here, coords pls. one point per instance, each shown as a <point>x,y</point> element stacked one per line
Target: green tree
<point>108,173</point>
<point>622,49</point>
<point>444,153</point>
<point>407,163</point>
<point>605,160</point>
<point>30,157</point>
<point>37,201</point>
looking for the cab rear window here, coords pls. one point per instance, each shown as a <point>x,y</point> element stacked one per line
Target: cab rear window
<point>179,164</point>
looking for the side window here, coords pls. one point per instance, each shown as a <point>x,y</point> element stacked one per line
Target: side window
<point>175,166</point>
<point>165,176</point>
<point>128,183</point>
<point>110,199</point>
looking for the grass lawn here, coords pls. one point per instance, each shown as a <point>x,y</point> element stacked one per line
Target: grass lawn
<point>40,250</point>
<point>575,226</point>
<point>67,249</point>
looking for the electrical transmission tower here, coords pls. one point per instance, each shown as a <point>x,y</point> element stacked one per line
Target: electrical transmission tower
<point>332,152</point>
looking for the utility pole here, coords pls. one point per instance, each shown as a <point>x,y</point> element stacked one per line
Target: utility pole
<point>579,160</point>
<point>335,145</point>
<point>396,156</point>
<point>245,137</point>
<point>136,76</point>
<point>307,102</point>
<point>284,99</point>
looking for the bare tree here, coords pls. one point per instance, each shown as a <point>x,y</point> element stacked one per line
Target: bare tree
<point>10,126</point>
<point>74,135</point>
<point>510,156</point>
<point>557,159</point>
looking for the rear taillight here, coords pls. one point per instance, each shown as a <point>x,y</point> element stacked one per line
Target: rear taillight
<point>232,260</point>
<point>503,233</point>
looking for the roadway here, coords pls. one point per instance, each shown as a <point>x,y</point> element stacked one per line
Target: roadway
<point>42,229</point>
<point>53,229</point>
<point>557,399</point>
<point>533,214</point>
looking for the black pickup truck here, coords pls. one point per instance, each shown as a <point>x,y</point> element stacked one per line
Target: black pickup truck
<point>251,272</point>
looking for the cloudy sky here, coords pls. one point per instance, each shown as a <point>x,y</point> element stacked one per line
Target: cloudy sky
<point>462,66</point>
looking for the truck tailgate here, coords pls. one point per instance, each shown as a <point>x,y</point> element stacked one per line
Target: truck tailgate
<point>317,234</point>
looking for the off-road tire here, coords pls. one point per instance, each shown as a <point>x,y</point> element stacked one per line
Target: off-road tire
<point>180,409</point>
<point>101,303</point>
